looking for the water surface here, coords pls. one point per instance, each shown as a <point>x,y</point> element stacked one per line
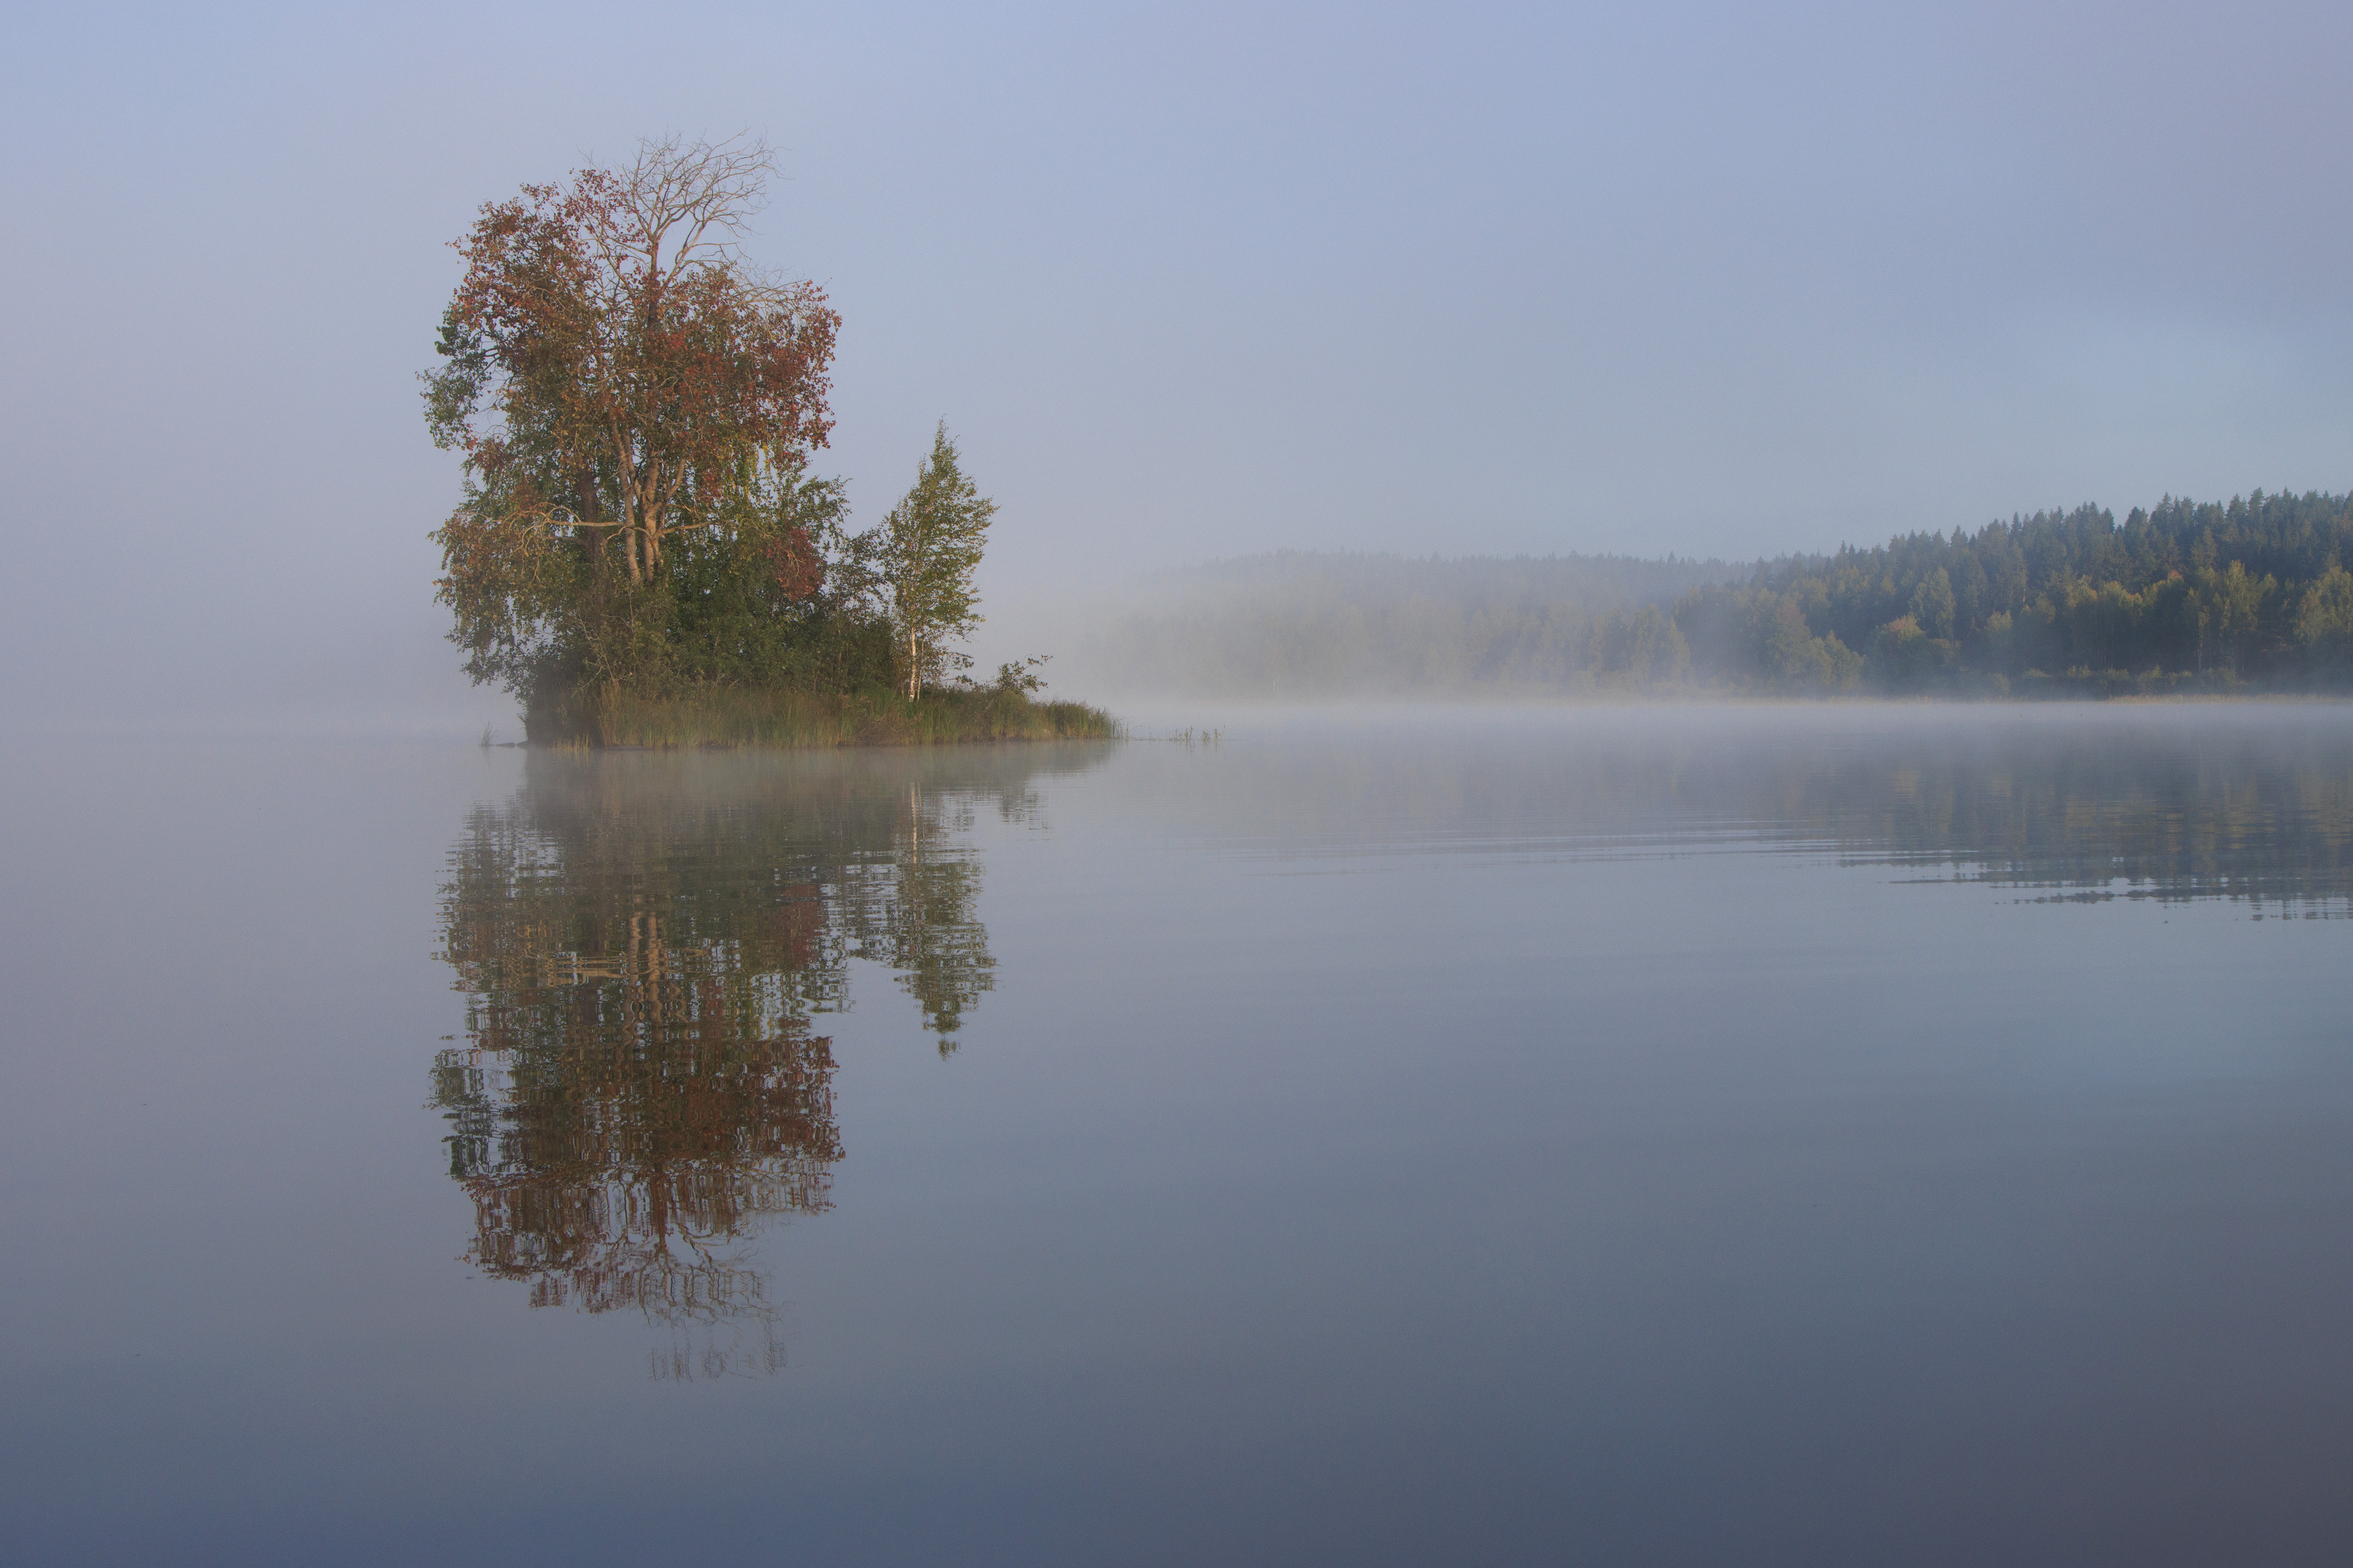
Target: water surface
<point>1775,1134</point>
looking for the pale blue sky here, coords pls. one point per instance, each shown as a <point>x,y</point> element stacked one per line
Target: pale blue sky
<point>1186,281</point>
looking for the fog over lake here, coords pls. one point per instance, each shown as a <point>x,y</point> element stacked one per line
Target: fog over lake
<point>1788,1133</point>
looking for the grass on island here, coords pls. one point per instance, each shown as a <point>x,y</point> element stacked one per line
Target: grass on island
<point>730,717</point>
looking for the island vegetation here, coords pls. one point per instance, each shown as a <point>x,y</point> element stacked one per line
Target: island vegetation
<point>644,554</point>
<point>2251,595</point>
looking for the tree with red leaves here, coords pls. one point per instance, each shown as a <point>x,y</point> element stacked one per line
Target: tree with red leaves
<point>621,381</point>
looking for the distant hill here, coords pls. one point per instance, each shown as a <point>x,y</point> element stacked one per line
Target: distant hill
<point>1314,625</point>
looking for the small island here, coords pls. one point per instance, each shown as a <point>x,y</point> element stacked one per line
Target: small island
<point>643,555</point>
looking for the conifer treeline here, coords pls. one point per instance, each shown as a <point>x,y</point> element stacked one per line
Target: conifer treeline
<point>2185,597</point>
<point>2188,594</point>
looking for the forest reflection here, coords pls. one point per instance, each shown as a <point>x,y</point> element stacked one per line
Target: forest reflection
<point>2173,811</point>
<point>2263,821</point>
<point>645,942</point>
<point>2252,805</point>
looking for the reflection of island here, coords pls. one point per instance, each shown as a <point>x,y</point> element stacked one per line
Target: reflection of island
<point>644,941</point>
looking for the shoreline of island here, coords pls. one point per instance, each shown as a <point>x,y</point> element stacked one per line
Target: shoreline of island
<point>740,720</point>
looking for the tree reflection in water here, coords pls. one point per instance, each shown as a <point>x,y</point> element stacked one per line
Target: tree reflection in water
<point>644,942</point>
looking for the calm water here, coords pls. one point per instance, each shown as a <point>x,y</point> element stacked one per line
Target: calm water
<point>1777,1135</point>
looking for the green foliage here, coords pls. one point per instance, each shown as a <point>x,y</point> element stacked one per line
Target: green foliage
<point>1643,646</point>
<point>920,558</point>
<point>1022,675</point>
<point>2183,596</point>
<point>1904,658</point>
<point>1797,661</point>
<point>1752,639</point>
<point>1932,605</point>
<point>2324,624</point>
<point>755,600</point>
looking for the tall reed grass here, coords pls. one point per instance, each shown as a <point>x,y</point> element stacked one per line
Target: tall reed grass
<point>734,717</point>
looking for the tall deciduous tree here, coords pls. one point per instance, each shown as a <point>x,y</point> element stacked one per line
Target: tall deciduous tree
<point>615,375</point>
<point>923,555</point>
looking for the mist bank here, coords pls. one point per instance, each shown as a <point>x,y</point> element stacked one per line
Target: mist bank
<point>2250,595</point>
<point>1306,625</point>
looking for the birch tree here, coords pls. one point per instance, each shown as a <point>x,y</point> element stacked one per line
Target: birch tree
<point>922,556</point>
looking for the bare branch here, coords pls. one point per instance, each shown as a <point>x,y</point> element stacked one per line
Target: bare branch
<point>707,191</point>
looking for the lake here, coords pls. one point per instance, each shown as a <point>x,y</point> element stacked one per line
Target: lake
<point>1805,1134</point>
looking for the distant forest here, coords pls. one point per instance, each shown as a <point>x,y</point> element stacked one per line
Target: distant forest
<point>2187,596</point>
